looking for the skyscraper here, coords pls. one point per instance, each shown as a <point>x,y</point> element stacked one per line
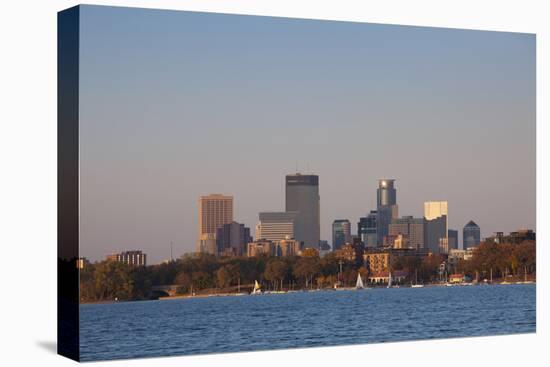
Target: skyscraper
<point>276,226</point>
<point>435,226</point>
<point>341,233</point>
<point>453,239</point>
<point>411,227</point>
<point>367,229</point>
<point>471,235</point>
<point>386,207</point>
<point>302,196</point>
<point>215,210</point>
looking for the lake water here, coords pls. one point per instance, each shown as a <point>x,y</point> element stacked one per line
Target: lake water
<point>305,319</point>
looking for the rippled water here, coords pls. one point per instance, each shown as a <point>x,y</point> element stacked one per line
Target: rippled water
<point>232,324</point>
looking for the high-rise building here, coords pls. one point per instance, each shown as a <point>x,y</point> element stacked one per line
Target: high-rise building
<point>471,235</point>
<point>386,194</point>
<point>386,207</point>
<point>435,226</point>
<point>367,229</point>
<point>341,233</point>
<point>412,228</point>
<point>276,226</point>
<point>215,210</point>
<point>232,238</point>
<point>302,196</point>
<point>453,239</point>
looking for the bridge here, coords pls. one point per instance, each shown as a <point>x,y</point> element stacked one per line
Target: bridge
<point>164,290</point>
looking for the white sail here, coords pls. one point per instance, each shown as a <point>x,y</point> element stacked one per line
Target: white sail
<point>359,284</point>
<point>389,280</point>
<point>257,288</point>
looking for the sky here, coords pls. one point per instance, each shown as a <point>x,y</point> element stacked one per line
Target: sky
<point>174,105</point>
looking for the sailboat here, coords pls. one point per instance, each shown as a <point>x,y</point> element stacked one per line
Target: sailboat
<point>359,284</point>
<point>389,280</point>
<point>416,285</point>
<point>257,289</point>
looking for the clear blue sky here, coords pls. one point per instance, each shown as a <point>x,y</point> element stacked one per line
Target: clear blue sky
<point>179,104</point>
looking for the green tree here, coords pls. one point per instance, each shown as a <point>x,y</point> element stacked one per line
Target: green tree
<point>226,276</point>
<point>276,270</point>
<point>113,281</point>
<point>306,268</point>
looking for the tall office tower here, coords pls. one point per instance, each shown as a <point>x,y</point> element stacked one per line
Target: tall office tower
<point>367,229</point>
<point>232,238</point>
<point>453,239</point>
<point>386,207</point>
<point>276,226</point>
<point>302,196</point>
<point>471,235</point>
<point>435,226</point>
<point>341,233</point>
<point>215,210</point>
<point>411,227</point>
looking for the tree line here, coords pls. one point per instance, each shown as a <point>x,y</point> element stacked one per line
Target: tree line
<point>196,273</point>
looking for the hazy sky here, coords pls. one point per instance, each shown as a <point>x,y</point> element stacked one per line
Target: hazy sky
<point>175,105</point>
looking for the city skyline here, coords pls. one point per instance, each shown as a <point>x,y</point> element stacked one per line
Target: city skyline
<point>427,107</point>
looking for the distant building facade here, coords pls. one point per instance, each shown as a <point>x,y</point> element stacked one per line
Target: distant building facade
<point>435,226</point>
<point>367,229</point>
<point>207,244</point>
<point>288,247</point>
<point>412,228</point>
<point>132,258</point>
<point>379,260</point>
<point>285,247</point>
<point>515,237</point>
<point>456,255</point>
<point>261,247</point>
<point>471,235</point>
<point>386,207</point>
<point>232,238</point>
<point>341,233</point>
<point>324,248</point>
<point>452,234</point>
<point>215,210</point>
<point>276,226</point>
<point>302,196</point>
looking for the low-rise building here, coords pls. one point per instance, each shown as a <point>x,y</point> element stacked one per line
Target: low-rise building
<point>288,247</point>
<point>514,237</point>
<point>379,260</point>
<point>456,278</point>
<point>352,252</point>
<point>397,276</point>
<point>132,258</point>
<point>456,255</point>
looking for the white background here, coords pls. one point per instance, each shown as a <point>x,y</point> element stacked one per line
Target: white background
<point>28,182</point>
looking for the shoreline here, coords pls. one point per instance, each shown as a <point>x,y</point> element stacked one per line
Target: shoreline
<point>226,294</point>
